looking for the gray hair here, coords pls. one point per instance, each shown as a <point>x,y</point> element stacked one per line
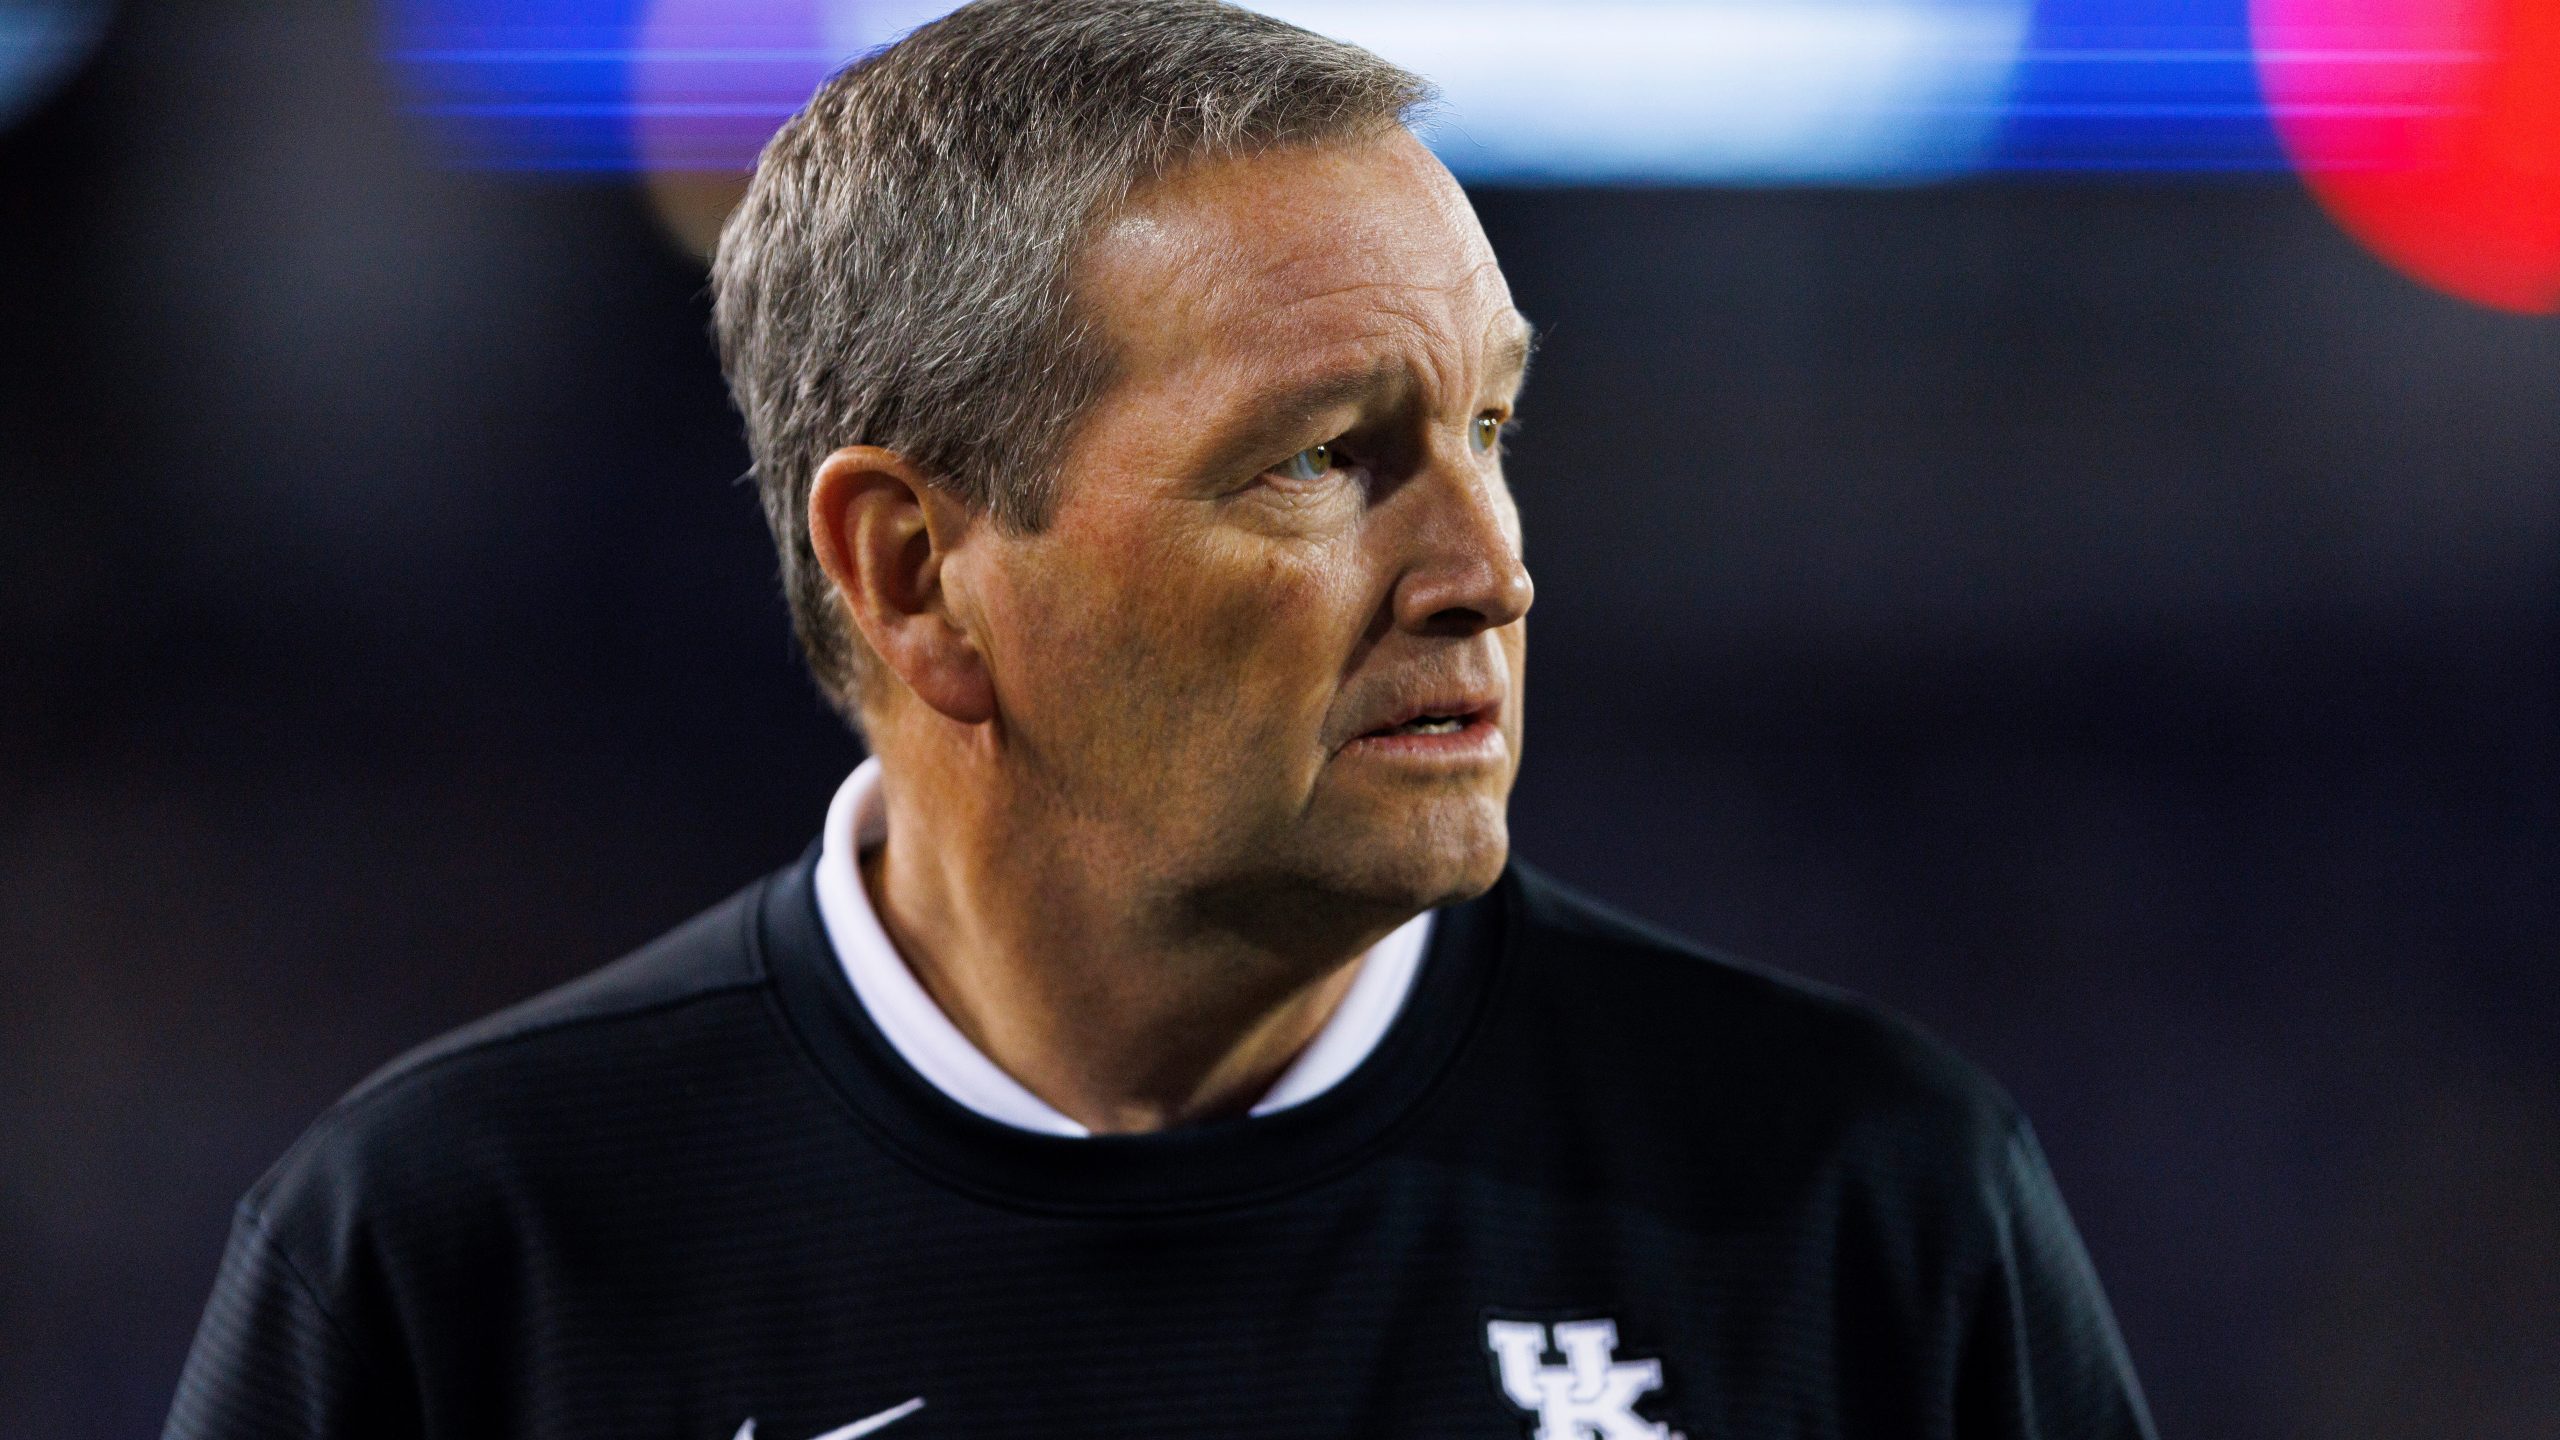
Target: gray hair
<point>899,272</point>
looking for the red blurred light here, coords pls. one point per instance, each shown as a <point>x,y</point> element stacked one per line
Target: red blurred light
<point>2430,129</point>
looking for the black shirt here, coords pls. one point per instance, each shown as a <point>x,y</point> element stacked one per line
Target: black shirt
<point>1592,1180</point>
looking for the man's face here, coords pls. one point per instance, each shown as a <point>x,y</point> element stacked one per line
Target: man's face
<point>1272,640</point>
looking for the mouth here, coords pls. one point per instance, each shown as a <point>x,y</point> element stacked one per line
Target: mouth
<point>1425,725</point>
<point>1442,714</point>
<point>1445,728</point>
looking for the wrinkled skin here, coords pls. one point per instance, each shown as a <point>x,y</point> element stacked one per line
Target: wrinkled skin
<point>1186,647</point>
<point>1130,803</point>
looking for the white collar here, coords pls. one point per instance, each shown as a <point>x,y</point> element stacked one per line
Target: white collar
<point>925,1037</point>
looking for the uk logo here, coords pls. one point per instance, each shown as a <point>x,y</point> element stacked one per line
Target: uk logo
<point>1591,1395</point>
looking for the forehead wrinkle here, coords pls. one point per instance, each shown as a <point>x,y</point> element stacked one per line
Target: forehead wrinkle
<point>1278,276</point>
<point>1390,352</point>
<point>1197,287</point>
<point>1420,321</point>
<point>1509,352</point>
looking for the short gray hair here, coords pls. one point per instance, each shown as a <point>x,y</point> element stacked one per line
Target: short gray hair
<point>898,274</point>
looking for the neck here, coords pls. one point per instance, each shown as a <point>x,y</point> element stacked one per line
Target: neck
<point>1127,1002</point>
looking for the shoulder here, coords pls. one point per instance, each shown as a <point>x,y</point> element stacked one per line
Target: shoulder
<point>476,1117</point>
<point>1693,1040</point>
<point>710,955</point>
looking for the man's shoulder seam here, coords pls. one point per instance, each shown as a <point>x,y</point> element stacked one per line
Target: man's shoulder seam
<point>509,1027</point>
<point>436,1054</point>
<point>1842,1011</point>
<point>267,1239</point>
<point>1567,910</point>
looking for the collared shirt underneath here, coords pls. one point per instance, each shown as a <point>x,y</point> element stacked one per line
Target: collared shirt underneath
<point>927,1040</point>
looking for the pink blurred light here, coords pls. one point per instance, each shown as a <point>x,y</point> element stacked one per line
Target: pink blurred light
<point>2430,130</point>
<point>711,81</point>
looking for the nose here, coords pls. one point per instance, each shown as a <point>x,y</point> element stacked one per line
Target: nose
<point>1466,575</point>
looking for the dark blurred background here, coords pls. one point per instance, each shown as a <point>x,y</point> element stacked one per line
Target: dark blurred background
<point>2112,620</point>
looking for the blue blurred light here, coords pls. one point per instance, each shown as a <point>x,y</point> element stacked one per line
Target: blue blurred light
<point>41,43</point>
<point>522,84</point>
<point>1711,90</point>
<point>2138,85</point>
<point>1642,91</point>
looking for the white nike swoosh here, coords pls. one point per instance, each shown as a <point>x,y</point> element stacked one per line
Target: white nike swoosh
<point>884,1419</point>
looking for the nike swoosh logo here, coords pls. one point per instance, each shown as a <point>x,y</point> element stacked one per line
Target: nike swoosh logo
<point>858,1428</point>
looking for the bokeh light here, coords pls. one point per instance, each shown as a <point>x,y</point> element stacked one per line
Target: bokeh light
<point>41,43</point>
<point>1727,90</point>
<point>2430,129</point>
<point>1611,90</point>
<point>711,80</point>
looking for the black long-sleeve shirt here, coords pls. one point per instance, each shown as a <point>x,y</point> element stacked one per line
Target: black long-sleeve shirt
<point>1594,1184</point>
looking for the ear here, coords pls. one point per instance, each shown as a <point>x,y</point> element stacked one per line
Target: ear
<point>883,534</point>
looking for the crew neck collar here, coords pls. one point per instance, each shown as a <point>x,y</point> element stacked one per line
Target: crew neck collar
<point>1215,1164</point>
<point>926,1038</point>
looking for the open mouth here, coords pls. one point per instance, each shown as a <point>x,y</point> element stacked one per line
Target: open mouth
<point>1451,736</point>
<point>1453,725</point>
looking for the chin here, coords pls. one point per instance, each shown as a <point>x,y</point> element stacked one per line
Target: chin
<point>1448,852</point>
<point>1329,872</point>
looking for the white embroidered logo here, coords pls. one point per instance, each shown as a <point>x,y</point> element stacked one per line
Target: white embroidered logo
<point>890,1416</point>
<point>1591,1396</point>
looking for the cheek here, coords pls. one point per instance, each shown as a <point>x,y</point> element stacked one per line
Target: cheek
<point>1180,637</point>
<point>1515,657</point>
<point>1248,628</point>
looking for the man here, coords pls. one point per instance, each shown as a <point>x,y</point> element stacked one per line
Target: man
<point>1159,1041</point>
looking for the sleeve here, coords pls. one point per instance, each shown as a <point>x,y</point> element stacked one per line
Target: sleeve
<point>2041,1358</point>
<point>271,1361</point>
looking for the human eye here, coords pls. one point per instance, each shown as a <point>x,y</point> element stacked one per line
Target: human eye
<point>1484,436</point>
<point>1313,463</point>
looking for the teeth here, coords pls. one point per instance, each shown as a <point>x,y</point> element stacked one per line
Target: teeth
<point>1432,725</point>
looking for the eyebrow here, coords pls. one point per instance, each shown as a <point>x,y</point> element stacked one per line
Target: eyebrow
<point>1511,354</point>
<point>1280,414</point>
<point>1283,412</point>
